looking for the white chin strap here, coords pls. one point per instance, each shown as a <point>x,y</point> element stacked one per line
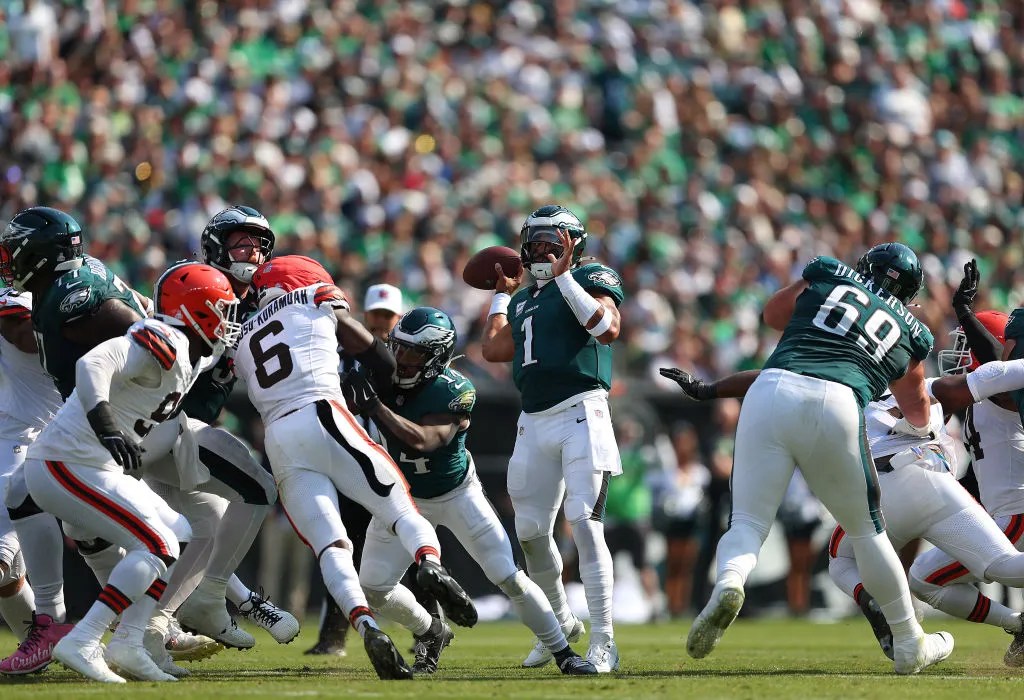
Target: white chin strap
<point>541,270</point>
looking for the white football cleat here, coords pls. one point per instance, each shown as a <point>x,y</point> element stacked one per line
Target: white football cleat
<point>281,624</point>
<point>185,646</point>
<point>208,615</point>
<point>915,655</point>
<point>541,655</point>
<point>605,657</point>
<point>86,658</point>
<point>153,641</point>
<point>714,620</point>
<point>132,661</point>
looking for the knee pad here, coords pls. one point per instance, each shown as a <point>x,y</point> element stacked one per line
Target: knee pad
<point>376,599</point>
<point>577,509</point>
<point>533,523</point>
<point>516,585</point>
<point>14,572</point>
<point>143,561</point>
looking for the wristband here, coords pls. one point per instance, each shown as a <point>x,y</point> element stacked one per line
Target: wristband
<point>602,326</point>
<point>499,304</point>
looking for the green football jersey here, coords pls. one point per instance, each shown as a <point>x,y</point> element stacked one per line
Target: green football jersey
<point>434,473</point>
<point>555,357</point>
<point>1015,331</point>
<point>74,295</point>
<point>846,331</point>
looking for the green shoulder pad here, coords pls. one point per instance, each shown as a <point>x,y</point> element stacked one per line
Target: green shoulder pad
<point>605,279</point>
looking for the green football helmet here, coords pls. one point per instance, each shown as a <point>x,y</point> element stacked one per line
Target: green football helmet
<point>422,342</point>
<point>539,237</point>
<point>895,268</point>
<point>39,241</point>
<point>214,240</point>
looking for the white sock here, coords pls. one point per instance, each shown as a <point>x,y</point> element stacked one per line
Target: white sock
<point>234,537</point>
<point>342,583</point>
<point>843,572</point>
<point>237,592</point>
<point>883,577</point>
<point>737,553</point>
<point>400,605</point>
<point>17,610</point>
<point>544,565</point>
<point>418,537</point>
<point>42,546</point>
<point>596,575</point>
<point>534,610</point>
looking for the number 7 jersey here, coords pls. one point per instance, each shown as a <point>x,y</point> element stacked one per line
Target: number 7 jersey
<point>288,353</point>
<point>844,330</point>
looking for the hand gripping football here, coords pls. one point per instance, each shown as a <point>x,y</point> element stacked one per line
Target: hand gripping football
<point>479,271</point>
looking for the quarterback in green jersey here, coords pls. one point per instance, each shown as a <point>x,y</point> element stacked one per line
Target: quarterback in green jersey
<point>557,334</point>
<point>847,336</point>
<point>423,426</point>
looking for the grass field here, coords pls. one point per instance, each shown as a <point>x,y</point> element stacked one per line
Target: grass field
<point>757,659</point>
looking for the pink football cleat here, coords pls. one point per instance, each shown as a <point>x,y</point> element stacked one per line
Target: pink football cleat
<point>34,654</point>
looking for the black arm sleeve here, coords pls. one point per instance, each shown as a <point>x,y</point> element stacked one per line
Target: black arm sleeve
<point>378,359</point>
<point>983,344</point>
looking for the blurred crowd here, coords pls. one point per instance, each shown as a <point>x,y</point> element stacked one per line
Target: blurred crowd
<point>710,147</point>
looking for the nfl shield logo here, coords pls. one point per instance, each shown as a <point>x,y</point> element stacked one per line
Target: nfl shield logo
<point>598,413</point>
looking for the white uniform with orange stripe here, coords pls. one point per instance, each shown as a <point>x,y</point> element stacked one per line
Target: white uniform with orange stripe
<point>70,474</point>
<point>288,358</point>
<point>28,401</point>
<point>920,499</point>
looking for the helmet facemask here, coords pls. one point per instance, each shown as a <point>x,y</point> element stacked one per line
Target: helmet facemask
<point>421,355</point>
<point>217,324</point>
<point>538,244</point>
<point>956,360</point>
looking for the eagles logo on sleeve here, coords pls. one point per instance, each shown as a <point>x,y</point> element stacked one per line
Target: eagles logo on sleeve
<point>158,345</point>
<point>464,402</point>
<point>605,277</point>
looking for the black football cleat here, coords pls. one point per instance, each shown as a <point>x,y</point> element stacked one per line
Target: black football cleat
<point>428,646</point>
<point>435,580</point>
<point>387,662</point>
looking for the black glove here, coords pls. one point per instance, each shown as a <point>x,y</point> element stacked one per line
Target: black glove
<point>963,298</point>
<point>360,394</point>
<point>695,388</point>
<point>122,448</point>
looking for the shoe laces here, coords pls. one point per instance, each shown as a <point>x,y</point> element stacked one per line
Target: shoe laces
<point>262,609</point>
<point>33,636</point>
<point>421,651</point>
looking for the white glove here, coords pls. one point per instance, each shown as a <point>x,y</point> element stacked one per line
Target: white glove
<point>905,427</point>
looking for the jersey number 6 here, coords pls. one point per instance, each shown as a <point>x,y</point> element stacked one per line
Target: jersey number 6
<point>262,356</point>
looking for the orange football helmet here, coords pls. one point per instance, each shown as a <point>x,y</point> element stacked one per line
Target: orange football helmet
<point>199,297</point>
<point>959,359</point>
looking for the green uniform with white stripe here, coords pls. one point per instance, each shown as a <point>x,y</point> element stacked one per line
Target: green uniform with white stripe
<point>434,473</point>
<point>555,357</point>
<point>845,331</point>
<point>76,294</point>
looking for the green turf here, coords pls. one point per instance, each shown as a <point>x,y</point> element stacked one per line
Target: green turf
<point>757,659</point>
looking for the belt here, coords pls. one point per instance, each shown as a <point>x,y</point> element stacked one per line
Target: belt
<point>883,464</point>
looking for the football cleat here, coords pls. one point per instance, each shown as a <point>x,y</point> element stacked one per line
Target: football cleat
<point>428,646</point>
<point>131,661</point>
<point>185,646</point>
<point>915,655</point>
<point>714,620</point>
<point>85,657</point>
<point>281,624</point>
<point>876,619</point>
<point>576,665</point>
<point>435,580</point>
<point>605,657</point>
<point>541,655</point>
<point>208,615</point>
<point>34,654</point>
<point>1014,656</point>
<point>384,656</point>
<point>153,641</point>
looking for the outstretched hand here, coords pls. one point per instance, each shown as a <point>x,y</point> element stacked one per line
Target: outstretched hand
<point>963,298</point>
<point>507,285</point>
<point>564,261</point>
<point>695,388</point>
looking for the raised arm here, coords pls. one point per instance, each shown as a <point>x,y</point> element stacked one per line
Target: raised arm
<point>779,307</point>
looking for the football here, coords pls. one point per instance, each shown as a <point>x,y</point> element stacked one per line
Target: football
<point>479,271</point>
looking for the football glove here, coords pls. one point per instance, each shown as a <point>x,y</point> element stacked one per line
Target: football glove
<point>695,388</point>
<point>122,448</point>
<point>905,427</point>
<point>963,298</point>
<point>360,394</point>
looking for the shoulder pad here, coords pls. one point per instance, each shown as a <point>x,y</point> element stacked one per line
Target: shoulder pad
<point>329,294</point>
<point>598,276</point>
<point>154,338</point>
<point>461,392</point>
<point>820,268</point>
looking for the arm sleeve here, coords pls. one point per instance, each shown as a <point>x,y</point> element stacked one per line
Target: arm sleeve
<point>96,370</point>
<point>996,378</point>
<point>983,344</point>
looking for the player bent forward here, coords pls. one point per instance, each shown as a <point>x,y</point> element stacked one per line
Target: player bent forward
<point>424,425</point>
<point>83,468</point>
<point>288,359</point>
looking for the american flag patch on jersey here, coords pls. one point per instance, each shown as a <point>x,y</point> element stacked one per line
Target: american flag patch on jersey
<point>156,344</point>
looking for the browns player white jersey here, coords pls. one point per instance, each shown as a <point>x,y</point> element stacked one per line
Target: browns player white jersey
<point>28,398</point>
<point>152,374</point>
<point>288,352</point>
<point>996,441</point>
<point>880,417</point>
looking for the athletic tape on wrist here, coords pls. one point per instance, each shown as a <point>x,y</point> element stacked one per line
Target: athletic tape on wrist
<point>499,304</point>
<point>582,304</point>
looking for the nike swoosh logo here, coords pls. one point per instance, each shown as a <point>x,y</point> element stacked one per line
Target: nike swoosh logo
<point>459,385</point>
<point>580,420</point>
